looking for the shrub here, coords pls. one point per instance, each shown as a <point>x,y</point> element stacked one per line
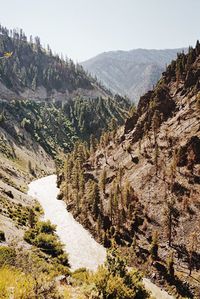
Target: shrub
<point>46,227</point>
<point>49,244</point>
<point>13,284</point>
<point>116,288</point>
<point>43,237</point>
<point>63,259</point>
<point>16,284</point>
<point>2,236</point>
<point>7,256</point>
<point>80,276</point>
<point>114,281</point>
<point>29,236</point>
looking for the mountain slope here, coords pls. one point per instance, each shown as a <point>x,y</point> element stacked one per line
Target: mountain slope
<point>46,105</point>
<point>33,72</point>
<point>130,73</point>
<point>142,184</point>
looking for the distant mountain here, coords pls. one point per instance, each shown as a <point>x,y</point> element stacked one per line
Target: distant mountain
<point>130,73</point>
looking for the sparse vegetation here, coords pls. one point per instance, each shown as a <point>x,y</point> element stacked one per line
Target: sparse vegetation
<point>157,192</point>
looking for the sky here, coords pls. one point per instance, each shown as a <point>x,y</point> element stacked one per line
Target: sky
<point>82,29</point>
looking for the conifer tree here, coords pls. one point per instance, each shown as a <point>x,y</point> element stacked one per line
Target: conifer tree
<point>156,123</point>
<point>31,218</point>
<point>154,246</point>
<point>170,265</point>
<point>169,215</point>
<point>96,200</point>
<point>102,182</point>
<point>192,248</point>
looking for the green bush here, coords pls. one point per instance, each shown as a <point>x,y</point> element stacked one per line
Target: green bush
<point>63,259</point>
<point>46,227</point>
<point>29,236</point>
<point>80,276</point>
<point>43,237</point>
<point>7,256</point>
<point>114,281</point>
<point>49,244</point>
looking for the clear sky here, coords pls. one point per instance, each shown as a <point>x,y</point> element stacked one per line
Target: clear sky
<point>81,29</point>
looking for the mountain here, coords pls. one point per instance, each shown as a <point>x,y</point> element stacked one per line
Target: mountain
<point>46,106</point>
<point>130,73</point>
<point>33,72</point>
<point>140,187</point>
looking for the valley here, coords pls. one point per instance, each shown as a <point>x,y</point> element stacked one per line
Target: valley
<point>98,198</point>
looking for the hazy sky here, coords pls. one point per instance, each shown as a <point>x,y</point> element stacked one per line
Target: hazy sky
<point>81,29</point>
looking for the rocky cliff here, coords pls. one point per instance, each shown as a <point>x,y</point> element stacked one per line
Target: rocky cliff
<point>144,181</point>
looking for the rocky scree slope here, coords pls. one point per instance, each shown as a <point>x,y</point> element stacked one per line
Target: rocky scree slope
<point>147,181</point>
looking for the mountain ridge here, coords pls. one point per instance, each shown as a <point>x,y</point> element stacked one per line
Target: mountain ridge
<point>130,73</point>
<point>34,72</point>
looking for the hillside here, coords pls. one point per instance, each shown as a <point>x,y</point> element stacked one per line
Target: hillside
<point>130,73</point>
<point>33,72</point>
<point>140,185</point>
<point>46,105</point>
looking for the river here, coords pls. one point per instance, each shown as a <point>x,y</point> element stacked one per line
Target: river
<point>83,250</point>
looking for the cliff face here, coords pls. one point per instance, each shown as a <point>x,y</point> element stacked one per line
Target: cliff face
<point>149,177</point>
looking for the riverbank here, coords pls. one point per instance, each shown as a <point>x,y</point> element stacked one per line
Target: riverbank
<point>83,250</point>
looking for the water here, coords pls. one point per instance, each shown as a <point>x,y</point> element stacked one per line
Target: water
<point>83,250</point>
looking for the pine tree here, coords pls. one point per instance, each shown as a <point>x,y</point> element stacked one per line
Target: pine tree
<point>197,48</point>
<point>169,219</point>
<point>75,182</point>
<point>155,124</point>
<point>92,144</point>
<point>128,194</point>
<point>111,206</point>
<point>102,182</point>
<point>192,248</point>
<point>96,200</point>
<point>154,246</point>
<point>170,265</point>
<point>31,218</point>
